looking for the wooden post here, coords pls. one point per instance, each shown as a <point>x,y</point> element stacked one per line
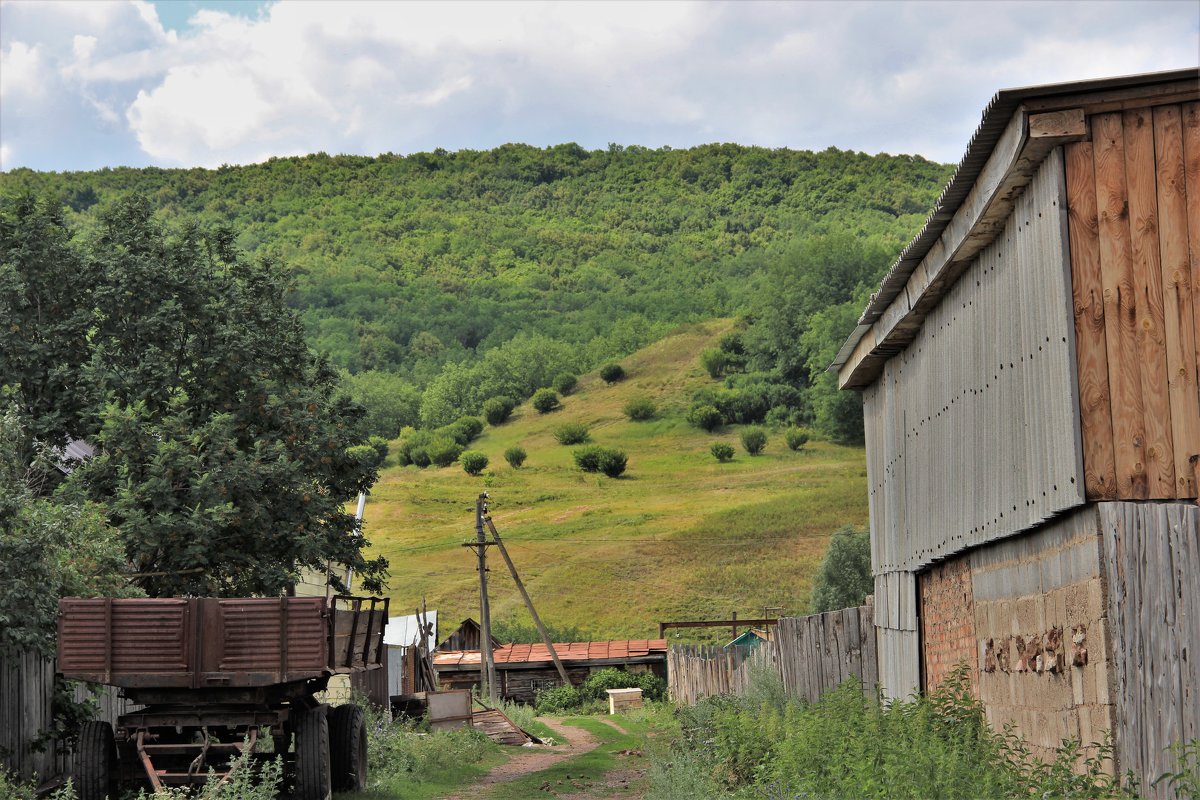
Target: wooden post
<point>562,673</point>
<point>487,673</point>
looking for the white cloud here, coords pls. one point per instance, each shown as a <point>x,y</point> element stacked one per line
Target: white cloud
<point>367,77</point>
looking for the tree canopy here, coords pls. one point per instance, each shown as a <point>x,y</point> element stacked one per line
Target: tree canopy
<point>226,451</point>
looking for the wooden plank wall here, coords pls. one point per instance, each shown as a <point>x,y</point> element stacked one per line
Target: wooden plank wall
<point>1133,193</point>
<point>972,430</point>
<point>810,654</point>
<point>26,692</point>
<point>1152,561</point>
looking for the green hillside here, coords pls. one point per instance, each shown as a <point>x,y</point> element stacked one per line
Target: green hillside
<point>410,270</point>
<point>679,535</point>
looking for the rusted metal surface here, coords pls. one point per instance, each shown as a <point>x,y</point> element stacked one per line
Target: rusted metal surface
<point>201,643</point>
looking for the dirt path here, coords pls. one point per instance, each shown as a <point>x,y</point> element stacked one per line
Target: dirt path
<point>531,759</point>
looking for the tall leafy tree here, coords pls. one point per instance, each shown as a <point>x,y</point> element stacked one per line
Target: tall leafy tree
<point>226,454</point>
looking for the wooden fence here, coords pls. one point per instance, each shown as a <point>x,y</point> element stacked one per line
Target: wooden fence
<point>26,693</point>
<point>1152,555</point>
<point>810,654</point>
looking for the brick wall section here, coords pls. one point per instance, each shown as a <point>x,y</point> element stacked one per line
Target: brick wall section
<point>947,620</point>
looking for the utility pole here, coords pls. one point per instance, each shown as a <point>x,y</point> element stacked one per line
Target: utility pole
<point>562,672</point>
<point>487,669</point>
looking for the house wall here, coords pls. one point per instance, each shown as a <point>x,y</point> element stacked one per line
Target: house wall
<point>1133,192</point>
<point>947,621</point>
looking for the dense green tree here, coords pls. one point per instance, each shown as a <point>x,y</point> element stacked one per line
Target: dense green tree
<point>48,549</point>
<point>224,446</point>
<point>392,403</point>
<point>844,578</point>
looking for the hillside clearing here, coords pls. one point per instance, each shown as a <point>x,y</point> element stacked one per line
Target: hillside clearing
<point>678,536</point>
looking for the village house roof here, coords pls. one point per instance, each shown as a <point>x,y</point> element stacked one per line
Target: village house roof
<point>517,655</point>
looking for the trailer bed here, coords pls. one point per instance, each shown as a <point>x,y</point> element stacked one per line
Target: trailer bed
<point>202,643</point>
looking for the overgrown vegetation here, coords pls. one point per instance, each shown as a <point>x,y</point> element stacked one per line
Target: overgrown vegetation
<point>591,696</point>
<point>851,746</point>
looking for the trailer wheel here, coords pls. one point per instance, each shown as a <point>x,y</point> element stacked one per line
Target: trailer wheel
<point>348,748</point>
<point>96,762</point>
<point>311,730</point>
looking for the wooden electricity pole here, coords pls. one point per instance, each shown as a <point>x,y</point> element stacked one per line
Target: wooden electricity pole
<point>562,673</point>
<point>487,669</point>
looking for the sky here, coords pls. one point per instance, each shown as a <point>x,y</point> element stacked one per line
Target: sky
<point>85,85</point>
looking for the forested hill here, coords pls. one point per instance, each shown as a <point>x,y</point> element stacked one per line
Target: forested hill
<point>410,269</point>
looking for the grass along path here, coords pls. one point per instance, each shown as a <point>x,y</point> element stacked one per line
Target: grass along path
<point>678,536</point>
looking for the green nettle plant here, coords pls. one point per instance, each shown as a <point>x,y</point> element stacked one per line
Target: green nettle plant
<point>722,451</point>
<point>754,440</point>
<point>571,433</point>
<point>473,462</point>
<point>545,400</point>
<point>640,408</point>
<point>611,373</point>
<point>515,456</point>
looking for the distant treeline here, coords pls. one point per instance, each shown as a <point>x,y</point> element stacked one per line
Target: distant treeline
<point>440,279</point>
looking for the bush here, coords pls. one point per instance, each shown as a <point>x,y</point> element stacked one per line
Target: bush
<point>497,410</point>
<point>844,578</point>
<point>420,456</point>
<point>722,451</point>
<point>559,698</point>
<point>545,400</point>
<point>714,361</point>
<point>705,416</point>
<point>463,430</point>
<point>597,684</point>
<point>515,456</point>
<point>571,433</point>
<point>754,440</point>
<point>444,451</point>
<point>564,383</point>
<point>601,459</point>
<point>473,462</point>
<point>611,373</point>
<point>796,438</point>
<point>640,408</point>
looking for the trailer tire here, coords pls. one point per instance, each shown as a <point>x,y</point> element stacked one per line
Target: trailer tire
<point>311,729</point>
<point>348,748</point>
<point>96,762</point>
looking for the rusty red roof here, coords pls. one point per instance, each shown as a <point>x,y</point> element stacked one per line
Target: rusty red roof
<point>567,651</point>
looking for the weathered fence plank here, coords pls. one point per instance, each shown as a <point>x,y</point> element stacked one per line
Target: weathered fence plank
<point>810,655</point>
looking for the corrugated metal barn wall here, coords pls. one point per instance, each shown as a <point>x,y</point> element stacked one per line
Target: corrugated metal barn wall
<point>972,430</point>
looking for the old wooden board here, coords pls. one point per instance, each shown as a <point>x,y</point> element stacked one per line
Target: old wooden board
<point>1120,308</point>
<point>1178,310</point>
<point>1138,131</point>
<point>1088,297</point>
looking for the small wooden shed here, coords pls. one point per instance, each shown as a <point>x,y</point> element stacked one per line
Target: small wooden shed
<point>1029,378</point>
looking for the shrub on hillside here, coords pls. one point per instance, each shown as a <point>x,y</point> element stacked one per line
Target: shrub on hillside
<point>515,456</point>
<point>844,578</point>
<point>473,462</point>
<point>564,383</point>
<point>796,438</point>
<point>444,451</point>
<point>714,361</point>
<point>571,433</point>
<point>705,416</point>
<point>545,400</point>
<point>640,408</point>
<point>497,410</point>
<point>420,456</point>
<point>611,373</point>
<point>463,430</point>
<point>722,451</point>
<point>608,460</point>
<point>754,440</point>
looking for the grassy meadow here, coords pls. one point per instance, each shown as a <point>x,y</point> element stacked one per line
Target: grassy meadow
<point>678,536</point>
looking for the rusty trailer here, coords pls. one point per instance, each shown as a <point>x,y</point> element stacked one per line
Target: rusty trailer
<point>215,676</point>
